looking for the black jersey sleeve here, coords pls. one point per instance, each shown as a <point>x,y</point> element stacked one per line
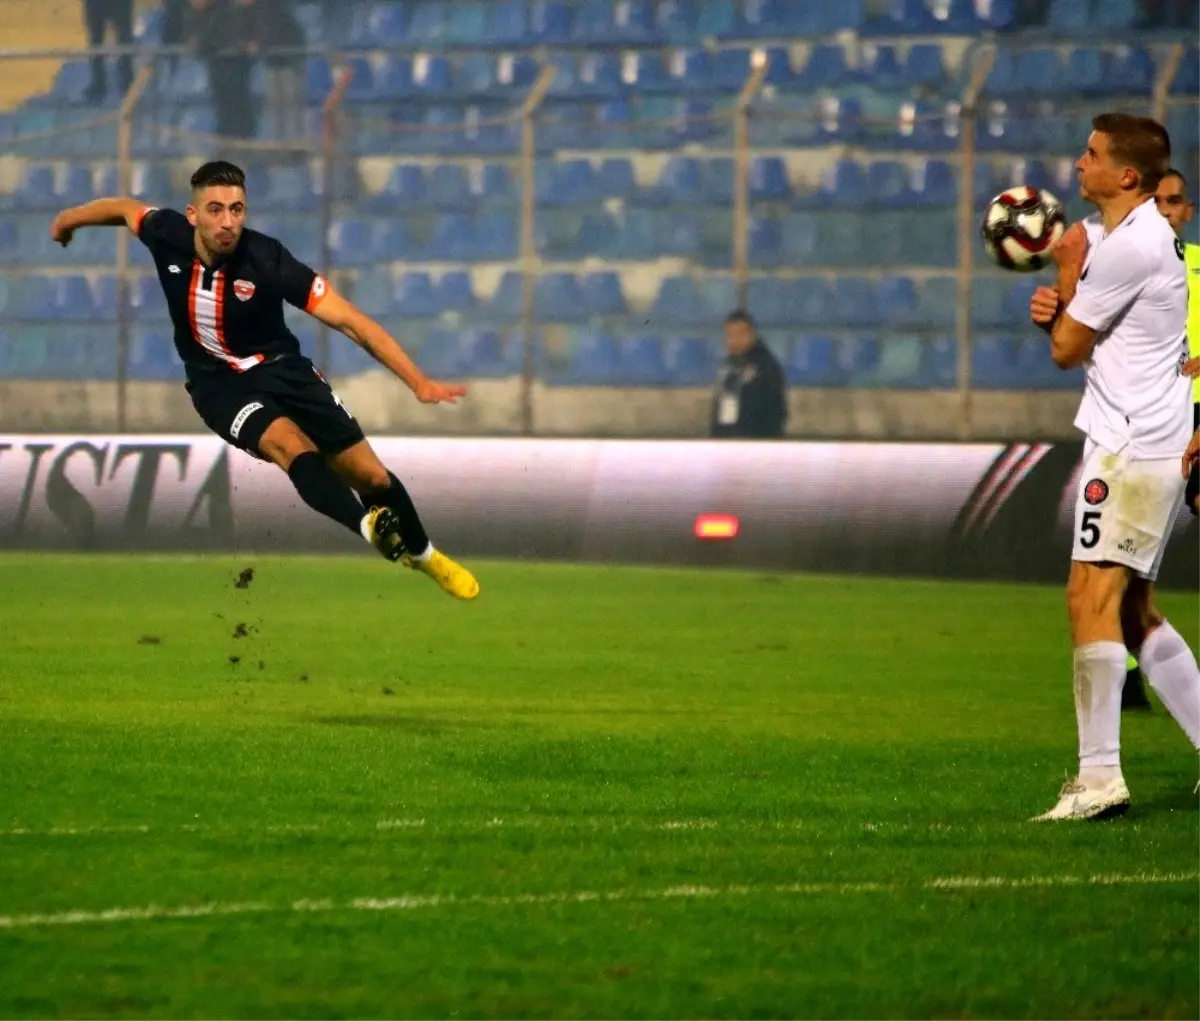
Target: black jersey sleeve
<point>164,227</point>
<point>299,284</point>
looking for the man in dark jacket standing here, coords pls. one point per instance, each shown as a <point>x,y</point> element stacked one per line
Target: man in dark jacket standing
<point>750,399</point>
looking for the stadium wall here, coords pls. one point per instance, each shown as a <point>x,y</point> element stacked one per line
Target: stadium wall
<point>383,407</point>
<point>987,511</point>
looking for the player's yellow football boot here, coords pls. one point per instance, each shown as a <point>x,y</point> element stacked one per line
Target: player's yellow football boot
<point>452,577</point>
<point>382,530</point>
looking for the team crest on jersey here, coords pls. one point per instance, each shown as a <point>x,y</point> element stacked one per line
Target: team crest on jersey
<point>244,289</point>
<point>1095,492</point>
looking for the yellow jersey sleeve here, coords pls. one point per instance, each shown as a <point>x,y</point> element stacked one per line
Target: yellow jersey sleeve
<point>1191,258</point>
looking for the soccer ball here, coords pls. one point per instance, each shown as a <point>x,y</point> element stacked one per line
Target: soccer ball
<point>1021,226</point>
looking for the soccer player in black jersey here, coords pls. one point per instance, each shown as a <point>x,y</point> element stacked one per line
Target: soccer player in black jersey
<point>225,287</point>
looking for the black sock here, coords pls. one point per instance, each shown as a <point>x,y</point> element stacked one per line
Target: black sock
<point>320,488</point>
<point>412,532</point>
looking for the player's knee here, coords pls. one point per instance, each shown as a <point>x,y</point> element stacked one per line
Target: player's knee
<point>284,441</point>
<point>1094,595</point>
<point>373,479</point>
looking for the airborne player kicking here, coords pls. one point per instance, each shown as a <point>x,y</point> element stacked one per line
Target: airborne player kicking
<point>225,287</point>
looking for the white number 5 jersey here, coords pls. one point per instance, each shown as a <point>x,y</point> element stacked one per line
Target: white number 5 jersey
<point>1133,292</point>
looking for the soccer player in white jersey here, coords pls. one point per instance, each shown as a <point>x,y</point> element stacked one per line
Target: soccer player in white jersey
<point>1120,311</point>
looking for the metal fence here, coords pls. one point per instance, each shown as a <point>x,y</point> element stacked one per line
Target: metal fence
<point>524,131</point>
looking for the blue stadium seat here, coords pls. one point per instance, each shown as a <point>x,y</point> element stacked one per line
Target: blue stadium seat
<point>597,76</point>
<point>936,303</point>
<point>844,238</point>
<point>900,359</point>
<point>152,355</point>
<point>287,188</point>
<point>1035,370</point>
<point>688,70</point>
<point>476,75</point>
<point>888,184</point>
<point>602,294</point>
<point>812,361</point>
<point>846,184</point>
<point>489,355</point>
<point>1039,72</point>
<point>615,179</point>
<point>987,302</point>
<point>36,189</point>
<point>467,23</point>
<point>763,19</point>
<point>1014,306</point>
<point>857,359</point>
<point>939,364</point>
<point>1086,71</point>
<point>1114,15</point>
<point>925,67</point>
<point>716,180</point>
<point>442,353</point>
<point>146,299</point>
<point>837,17</point>
<point>644,72</point>
<point>633,21</point>
<point>824,69</point>
<point>595,360</point>
<point>897,301</point>
<point>765,242</point>
<point>77,188</point>
<point>679,183</point>
<point>392,240</point>
<point>1069,17</point>
<point>689,361</point>
<point>854,298</point>
<point>1131,71</point>
<point>565,184</point>
<point>774,302</point>
<point>679,303</point>
<point>495,237</point>
<point>768,179</point>
<point>558,299</point>
<point>405,189</point>
<point>800,240</point>
<point>347,359</point>
<point>414,296</point>
<point>393,78</point>
<point>453,292</point>
<point>1187,77</point>
<point>430,23</point>
<point>431,74</point>
<point>881,68</point>
<point>994,362</point>
<point>507,23</point>
<point>374,291</point>
<point>642,363</point>
<point>715,19</point>
<point>516,71</point>
<point>352,240</point>
<point>451,237</point>
<point>384,26</point>
<point>549,22</point>
<point>492,185</point>
<point>448,187</point>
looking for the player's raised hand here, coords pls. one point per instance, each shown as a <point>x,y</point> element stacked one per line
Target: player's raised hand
<point>430,391</point>
<point>1043,306</point>
<point>60,233</point>
<point>1070,249</point>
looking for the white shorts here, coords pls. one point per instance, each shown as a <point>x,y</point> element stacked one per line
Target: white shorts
<point>1125,509</point>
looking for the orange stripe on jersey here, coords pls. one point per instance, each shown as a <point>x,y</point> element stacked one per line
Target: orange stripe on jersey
<point>316,294</point>
<point>193,287</point>
<point>145,211</point>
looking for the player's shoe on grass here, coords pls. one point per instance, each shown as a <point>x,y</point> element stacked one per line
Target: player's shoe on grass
<point>452,577</point>
<point>381,528</point>
<point>1133,695</point>
<point>1080,800</point>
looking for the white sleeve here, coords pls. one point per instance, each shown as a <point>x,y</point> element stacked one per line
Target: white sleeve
<point>1115,276</point>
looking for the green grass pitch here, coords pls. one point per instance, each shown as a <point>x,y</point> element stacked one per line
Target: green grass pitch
<point>595,792</point>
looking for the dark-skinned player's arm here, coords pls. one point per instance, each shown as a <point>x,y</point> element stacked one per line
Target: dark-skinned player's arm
<point>98,213</point>
<point>339,314</point>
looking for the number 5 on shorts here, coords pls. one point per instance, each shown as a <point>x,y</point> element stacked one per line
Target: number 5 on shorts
<point>1089,530</point>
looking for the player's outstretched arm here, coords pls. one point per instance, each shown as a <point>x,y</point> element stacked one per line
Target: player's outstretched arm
<point>98,213</point>
<point>339,314</point>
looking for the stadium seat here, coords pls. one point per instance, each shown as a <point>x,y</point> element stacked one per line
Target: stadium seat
<point>476,75</point>
<point>495,237</point>
<point>1187,76</point>
<point>558,299</point>
<point>615,179</point>
<point>405,188</point>
<point>924,67</point>
<point>507,23</point>
<point>715,19</point>
<point>1131,71</point>
<point>994,362</point>
<point>430,74</point>
<point>936,303</point>
<point>854,299</point>
<point>414,296</point>
<point>595,360</point>
<point>152,355</point>
<point>800,240</point>
<point>857,359</point>
<point>880,67</point>
<point>768,179</point>
<point>448,188</point>
<point>602,294</point>
<point>1086,71</point>
<point>549,22</point>
<point>641,363</point>
<point>453,292</point>
<point>352,240</point>
<point>36,189</point>
<point>988,300</point>
<point>1069,17</point>
<point>765,242</point>
<point>679,183</point>
<point>384,25</point>
<point>888,184</point>
<point>811,361</point>
<point>679,303</point>
<point>689,361</point>
<point>900,363</point>
<point>897,301</point>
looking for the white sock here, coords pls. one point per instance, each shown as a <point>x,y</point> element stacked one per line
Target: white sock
<point>1099,677</point>
<point>364,527</point>
<point>424,555</point>
<point>1171,670</point>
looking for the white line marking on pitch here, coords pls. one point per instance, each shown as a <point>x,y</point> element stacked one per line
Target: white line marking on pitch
<point>415,902</point>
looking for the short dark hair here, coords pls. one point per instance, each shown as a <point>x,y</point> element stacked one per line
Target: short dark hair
<point>1138,142</point>
<point>219,173</point>
<point>1176,172</point>
<point>740,315</point>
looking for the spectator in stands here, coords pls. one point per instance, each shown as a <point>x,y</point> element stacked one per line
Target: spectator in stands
<point>222,33</point>
<point>750,399</point>
<point>99,15</point>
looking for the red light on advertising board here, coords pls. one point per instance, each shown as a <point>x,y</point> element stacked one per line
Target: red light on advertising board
<point>716,526</point>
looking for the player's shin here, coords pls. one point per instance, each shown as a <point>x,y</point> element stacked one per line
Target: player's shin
<point>1171,668</point>
<point>412,532</point>
<point>1099,675</point>
<point>320,488</point>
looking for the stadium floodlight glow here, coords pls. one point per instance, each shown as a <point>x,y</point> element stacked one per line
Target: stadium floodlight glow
<point>716,526</point>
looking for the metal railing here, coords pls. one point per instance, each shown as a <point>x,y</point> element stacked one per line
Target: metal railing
<point>341,135</point>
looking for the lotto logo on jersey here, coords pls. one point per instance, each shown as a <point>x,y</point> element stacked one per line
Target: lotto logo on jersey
<point>1096,492</point>
<point>244,289</point>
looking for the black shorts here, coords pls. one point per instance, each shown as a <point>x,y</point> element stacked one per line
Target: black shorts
<point>239,407</point>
